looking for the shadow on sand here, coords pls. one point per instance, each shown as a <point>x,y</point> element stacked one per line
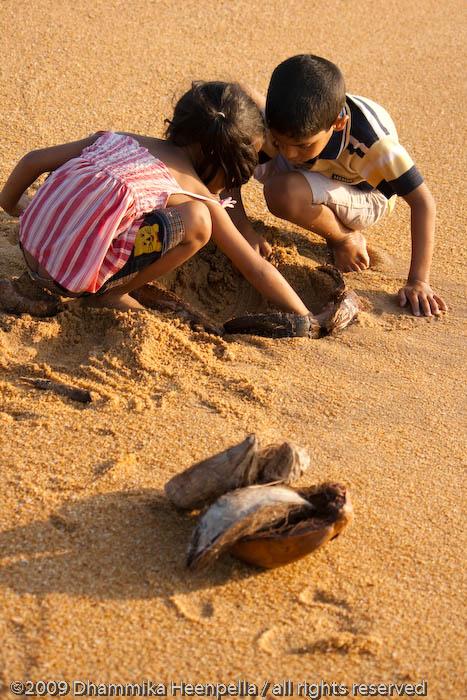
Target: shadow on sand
<point>124,544</point>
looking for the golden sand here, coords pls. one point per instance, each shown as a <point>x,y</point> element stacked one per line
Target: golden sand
<point>92,578</point>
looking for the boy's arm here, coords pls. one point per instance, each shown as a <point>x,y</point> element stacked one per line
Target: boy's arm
<point>33,164</point>
<point>417,291</point>
<point>259,272</point>
<point>242,223</point>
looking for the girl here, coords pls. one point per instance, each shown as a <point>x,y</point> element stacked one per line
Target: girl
<point>119,210</point>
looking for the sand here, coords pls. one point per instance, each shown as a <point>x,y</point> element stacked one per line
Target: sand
<point>92,578</point>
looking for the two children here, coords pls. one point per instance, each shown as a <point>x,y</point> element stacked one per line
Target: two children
<point>332,164</point>
<point>119,210</point>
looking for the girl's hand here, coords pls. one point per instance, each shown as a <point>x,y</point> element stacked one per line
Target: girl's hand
<point>422,299</point>
<point>23,204</point>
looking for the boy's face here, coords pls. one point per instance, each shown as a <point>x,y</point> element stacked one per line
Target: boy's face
<point>300,150</point>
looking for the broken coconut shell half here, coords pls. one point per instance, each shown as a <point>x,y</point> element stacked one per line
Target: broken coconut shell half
<point>269,526</point>
<point>339,311</point>
<point>238,466</point>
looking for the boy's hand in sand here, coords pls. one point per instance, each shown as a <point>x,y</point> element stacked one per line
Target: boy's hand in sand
<point>350,252</point>
<point>241,221</point>
<point>422,299</point>
<point>257,242</point>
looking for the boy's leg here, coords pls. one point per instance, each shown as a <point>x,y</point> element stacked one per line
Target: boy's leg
<point>332,209</point>
<point>192,222</point>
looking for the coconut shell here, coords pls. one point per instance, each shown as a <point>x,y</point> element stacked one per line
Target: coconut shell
<point>289,541</point>
<point>338,315</point>
<point>236,515</point>
<point>205,481</point>
<point>276,324</point>
<point>241,465</point>
<point>284,463</point>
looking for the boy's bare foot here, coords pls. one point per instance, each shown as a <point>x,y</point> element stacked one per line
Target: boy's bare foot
<point>350,253</point>
<point>109,300</point>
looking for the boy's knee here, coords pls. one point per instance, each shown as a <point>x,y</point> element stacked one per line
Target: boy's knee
<point>285,193</point>
<point>198,224</point>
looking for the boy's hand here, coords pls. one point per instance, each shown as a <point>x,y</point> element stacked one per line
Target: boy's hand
<point>422,299</point>
<point>350,253</point>
<point>258,243</point>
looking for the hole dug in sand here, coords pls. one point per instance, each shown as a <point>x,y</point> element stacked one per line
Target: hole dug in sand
<point>207,291</point>
<point>212,286</point>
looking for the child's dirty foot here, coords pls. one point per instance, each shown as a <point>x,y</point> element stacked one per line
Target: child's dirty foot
<point>350,254</point>
<point>109,300</point>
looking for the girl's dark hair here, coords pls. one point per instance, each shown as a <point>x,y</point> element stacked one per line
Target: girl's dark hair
<point>224,121</point>
<point>305,96</point>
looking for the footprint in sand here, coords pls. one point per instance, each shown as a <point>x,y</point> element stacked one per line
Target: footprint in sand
<point>335,626</point>
<point>193,608</point>
<point>328,626</point>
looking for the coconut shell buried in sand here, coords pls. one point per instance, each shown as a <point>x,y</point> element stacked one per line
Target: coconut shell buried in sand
<point>335,315</point>
<point>270,526</point>
<point>241,465</point>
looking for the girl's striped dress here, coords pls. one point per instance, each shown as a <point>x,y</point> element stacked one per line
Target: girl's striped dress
<point>82,223</point>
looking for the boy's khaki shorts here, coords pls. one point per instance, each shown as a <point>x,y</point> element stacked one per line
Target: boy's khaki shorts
<point>357,209</point>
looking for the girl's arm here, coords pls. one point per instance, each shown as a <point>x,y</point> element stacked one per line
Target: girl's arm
<point>33,164</point>
<point>241,221</point>
<point>259,272</point>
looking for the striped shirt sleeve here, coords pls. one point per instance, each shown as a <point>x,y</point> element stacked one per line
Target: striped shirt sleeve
<point>387,166</point>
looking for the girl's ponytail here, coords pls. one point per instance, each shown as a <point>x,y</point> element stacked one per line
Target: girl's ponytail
<point>225,122</point>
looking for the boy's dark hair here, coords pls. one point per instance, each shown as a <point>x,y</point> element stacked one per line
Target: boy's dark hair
<point>305,95</point>
<point>224,121</point>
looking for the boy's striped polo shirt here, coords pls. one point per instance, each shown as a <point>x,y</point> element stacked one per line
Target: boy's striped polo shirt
<point>367,153</point>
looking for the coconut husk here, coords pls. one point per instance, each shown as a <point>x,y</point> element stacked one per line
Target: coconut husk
<point>205,481</point>
<point>236,515</point>
<point>284,462</point>
<point>22,296</point>
<point>241,465</point>
<point>301,531</point>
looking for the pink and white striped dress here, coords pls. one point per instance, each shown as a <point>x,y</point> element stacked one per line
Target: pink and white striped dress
<point>82,223</point>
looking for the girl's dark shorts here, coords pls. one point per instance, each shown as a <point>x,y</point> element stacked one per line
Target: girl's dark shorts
<point>161,230</point>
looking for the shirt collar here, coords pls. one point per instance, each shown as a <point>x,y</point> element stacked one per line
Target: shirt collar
<point>336,143</point>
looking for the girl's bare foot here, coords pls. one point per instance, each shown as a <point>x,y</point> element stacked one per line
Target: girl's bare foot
<point>350,253</point>
<point>110,300</point>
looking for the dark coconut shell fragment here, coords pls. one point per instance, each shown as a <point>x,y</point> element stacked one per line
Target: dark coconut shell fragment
<point>22,296</point>
<point>276,324</point>
<point>270,526</point>
<point>238,466</point>
<point>205,481</point>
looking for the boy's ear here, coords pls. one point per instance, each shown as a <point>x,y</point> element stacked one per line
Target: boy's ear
<point>340,122</point>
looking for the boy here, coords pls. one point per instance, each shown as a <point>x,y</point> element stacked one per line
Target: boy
<point>332,164</point>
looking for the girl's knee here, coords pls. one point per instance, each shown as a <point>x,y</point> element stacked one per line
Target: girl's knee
<point>197,222</point>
